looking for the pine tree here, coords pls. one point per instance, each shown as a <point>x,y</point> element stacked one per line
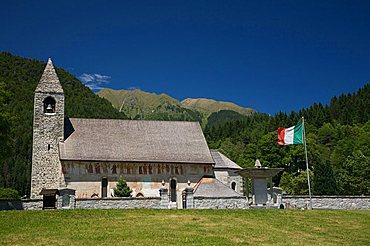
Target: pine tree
<point>122,189</point>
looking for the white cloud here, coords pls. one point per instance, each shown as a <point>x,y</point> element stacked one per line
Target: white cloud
<point>102,78</point>
<point>85,78</point>
<point>94,81</point>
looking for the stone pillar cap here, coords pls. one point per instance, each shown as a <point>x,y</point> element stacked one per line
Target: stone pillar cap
<point>257,164</point>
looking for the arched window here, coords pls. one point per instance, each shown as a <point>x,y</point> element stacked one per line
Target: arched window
<point>139,194</point>
<point>233,186</point>
<point>49,105</point>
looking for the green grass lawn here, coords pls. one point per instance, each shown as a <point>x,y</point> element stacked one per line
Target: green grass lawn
<point>184,227</point>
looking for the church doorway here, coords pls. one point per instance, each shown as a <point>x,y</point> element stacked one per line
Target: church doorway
<point>104,187</point>
<point>173,184</point>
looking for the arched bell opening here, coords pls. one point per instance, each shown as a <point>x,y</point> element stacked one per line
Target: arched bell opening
<point>49,105</point>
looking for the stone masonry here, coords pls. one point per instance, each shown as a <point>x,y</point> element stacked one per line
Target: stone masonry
<point>239,202</point>
<point>327,202</point>
<point>127,202</point>
<point>48,131</point>
<point>290,202</point>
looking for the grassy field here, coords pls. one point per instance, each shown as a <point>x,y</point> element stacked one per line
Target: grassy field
<point>184,227</point>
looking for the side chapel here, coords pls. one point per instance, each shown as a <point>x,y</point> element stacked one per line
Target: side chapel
<point>88,155</point>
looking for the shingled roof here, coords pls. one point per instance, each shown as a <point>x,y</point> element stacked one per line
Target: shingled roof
<point>222,162</point>
<point>212,187</point>
<point>134,141</point>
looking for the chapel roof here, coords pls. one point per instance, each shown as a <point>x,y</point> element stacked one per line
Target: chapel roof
<point>222,162</point>
<point>212,187</point>
<point>134,141</point>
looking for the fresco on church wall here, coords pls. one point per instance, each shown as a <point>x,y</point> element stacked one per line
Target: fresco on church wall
<point>93,168</point>
<point>143,178</point>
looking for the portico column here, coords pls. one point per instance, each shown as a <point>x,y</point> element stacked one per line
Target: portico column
<point>271,200</point>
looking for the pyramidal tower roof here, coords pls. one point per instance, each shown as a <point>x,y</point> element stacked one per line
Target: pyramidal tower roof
<point>49,81</point>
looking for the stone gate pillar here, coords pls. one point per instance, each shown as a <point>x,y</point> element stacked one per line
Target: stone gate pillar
<point>189,196</point>
<point>163,192</point>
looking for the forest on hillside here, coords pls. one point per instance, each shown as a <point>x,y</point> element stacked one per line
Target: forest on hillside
<point>18,80</point>
<point>338,134</point>
<point>338,142</point>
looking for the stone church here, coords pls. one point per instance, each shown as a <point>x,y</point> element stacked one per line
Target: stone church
<point>88,155</point>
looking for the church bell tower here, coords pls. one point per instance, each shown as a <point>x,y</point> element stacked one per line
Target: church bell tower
<point>48,131</point>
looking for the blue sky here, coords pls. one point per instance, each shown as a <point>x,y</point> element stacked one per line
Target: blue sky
<point>268,55</point>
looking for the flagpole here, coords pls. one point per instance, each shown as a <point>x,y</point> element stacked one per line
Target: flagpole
<point>308,173</point>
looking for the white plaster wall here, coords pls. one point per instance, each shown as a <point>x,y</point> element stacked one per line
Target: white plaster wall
<point>229,176</point>
<point>144,178</point>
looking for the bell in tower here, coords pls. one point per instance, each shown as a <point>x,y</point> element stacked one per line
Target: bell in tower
<point>49,105</point>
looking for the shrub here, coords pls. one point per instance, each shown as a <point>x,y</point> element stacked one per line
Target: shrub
<point>9,194</point>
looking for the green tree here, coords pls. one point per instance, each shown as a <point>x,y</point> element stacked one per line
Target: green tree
<point>353,177</point>
<point>324,182</point>
<point>5,121</point>
<point>295,184</point>
<point>122,189</point>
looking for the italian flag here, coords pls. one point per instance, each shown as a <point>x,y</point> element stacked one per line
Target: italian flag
<point>291,135</point>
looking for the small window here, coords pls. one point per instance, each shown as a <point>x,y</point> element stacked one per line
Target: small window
<point>49,105</point>
<point>233,186</point>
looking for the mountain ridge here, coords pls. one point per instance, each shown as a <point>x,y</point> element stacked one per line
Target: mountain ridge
<point>138,104</point>
<point>212,105</point>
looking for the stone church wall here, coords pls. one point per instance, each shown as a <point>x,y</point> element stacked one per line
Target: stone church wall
<point>47,132</point>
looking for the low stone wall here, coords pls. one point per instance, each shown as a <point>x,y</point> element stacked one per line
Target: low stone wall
<point>238,202</point>
<point>35,204</point>
<point>21,205</point>
<point>122,202</point>
<point>327,202</point>
<point>289,202</point>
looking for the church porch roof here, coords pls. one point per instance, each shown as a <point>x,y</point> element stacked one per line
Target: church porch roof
<point>222,162</point>
<point>212,187</point>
